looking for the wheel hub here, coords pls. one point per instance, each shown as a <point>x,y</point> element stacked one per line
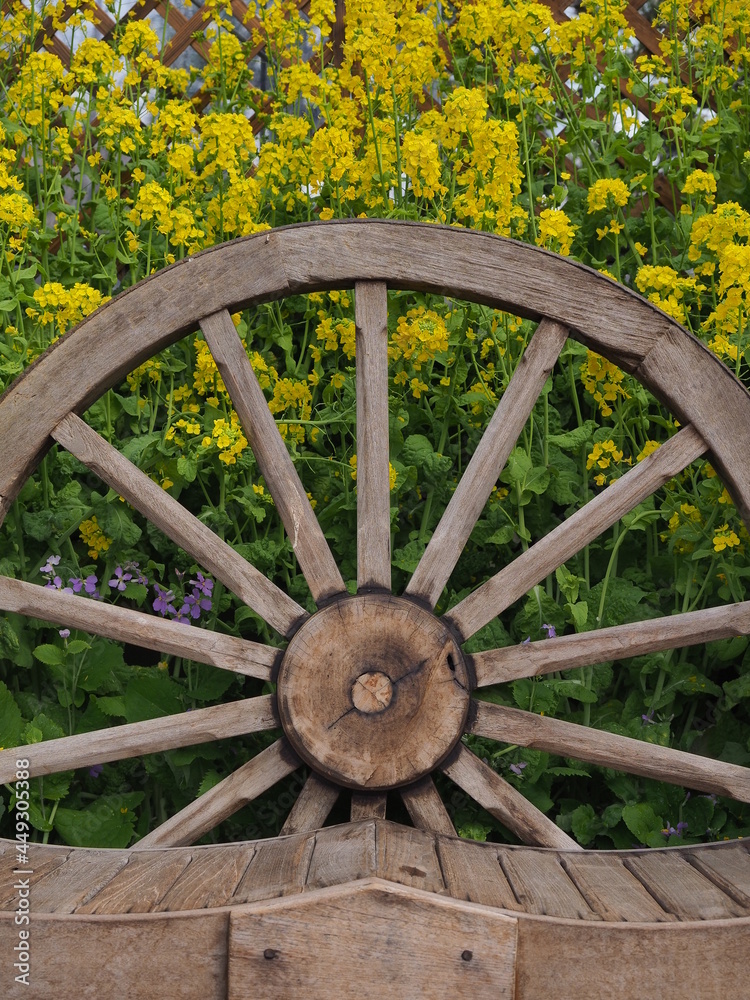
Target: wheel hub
<point>373,692</point>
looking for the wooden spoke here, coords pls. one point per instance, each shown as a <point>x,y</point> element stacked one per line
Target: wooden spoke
<point>467,503</point>
<point>426,808</point>
<point>309,544</point>
<point>185,729</point>
<point>619,642</point>
<point>312,807</point>
<point>368,806</point>
<point>225,651</point>
<point>264,597</point>
<point>373,488</point>
<point>512,582</point>
<point>622,753</point>
<point>224,799</point>
<point>504,802</point>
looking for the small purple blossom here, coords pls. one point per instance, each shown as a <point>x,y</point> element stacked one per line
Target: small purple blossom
<point>90,586</point>
<point>671,831</point>
<point>551,631</point>
<point>121,579</point>
<point>518,768</point>
<point>163,603</point>
<point>527,639</point>
<point>137,575</point>
<point>48,567</point>
<point>648,720</point>
<point>64,633</point>
<point>96,770</point>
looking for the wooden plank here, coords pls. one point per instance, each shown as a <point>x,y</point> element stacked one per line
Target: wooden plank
<point>568,538</point>
<point>373,486</point>
<point>185,530</point>
<point>426,808</point>
<point>728,868</point>
<point>43,861</point>
<point>503,801</point>
<point>140,885</point>
<point>541,885</point>
<point>343,854</point>
<point>706,960</point>
<point>224,799</point>
<point>279,868</point>
<point>72,884</point>
<point>679,888</point>
<point>511,725</point>
<point>409,857</point>
<point>368,805</point>
<point>490,455</point>
<point>210,879</point>
<point>472,871</point>
<point>370,939</point>
<point>270,451</point>
<point>185,729</point>
<point>619,642</point>
<point>126,625</point>
<point>610,889</point>
<point>312,807</point>
<point>131,956</point>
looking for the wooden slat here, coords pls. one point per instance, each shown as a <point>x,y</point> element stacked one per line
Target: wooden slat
<point>610,889</point>
<point>619,642</point>
<point>152,736</point>
<point>426,808</point>
<point>568,538</point>
<point>541,885</point>
<point>305,534</point>
<point>224,799</point>
<point>727,867</point>
<point>368,805</point>
<point>139,886</point>
<point>84,874</point>
<point>409,857</point>
<point>45,861</point>
<point>312,807</point>
<point>491,454</point>
<point>511,725</point>
<point>373,488</point>
<point>503,801</point>
<point>125,625</point>
<point>210,879</point>
<point>680,889</point>
<point>343,854</point>
<point>243,579</point>
<point>279,868</point>
<point>472,871</point>
<point>367,940</point>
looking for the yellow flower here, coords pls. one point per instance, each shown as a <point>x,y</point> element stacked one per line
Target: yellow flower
<point>724,538</point>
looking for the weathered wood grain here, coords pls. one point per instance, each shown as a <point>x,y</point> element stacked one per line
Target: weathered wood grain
<point>343,854</point>
<point>501,590</point>
<point>224,799</point>
<point>210,879</point>
<point>305,534</point>
<point>618,642</point>
<point>312,807</point>
<point>409,857</point>
<point>680,889</point>
<point>426,808</point>
<point>46,861</point>
<point>503,801</point>
<point>541,884</point>
<point>185,530</point>
<point>472,871</point>
<point>381,939</point>
<point>373,486</point>
<point>610,889</point>
<point>70,885</point>
<point>279,868</point>
<point>368,805</point>
<point>728,868</point>
<point>225,651</point>
<point>140,885</point>
<point>490,455</point>
<point>511,725</point>
<point>165,733</point>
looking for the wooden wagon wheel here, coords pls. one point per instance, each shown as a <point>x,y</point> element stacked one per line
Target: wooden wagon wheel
<point>374,689</point>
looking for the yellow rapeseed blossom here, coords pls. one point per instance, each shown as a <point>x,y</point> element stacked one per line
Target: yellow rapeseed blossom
<point>93,536</point>
<point>603,380</point>
<point>725,538</point>
<point>555,231</point>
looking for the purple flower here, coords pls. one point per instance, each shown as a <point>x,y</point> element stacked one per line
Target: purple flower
<point>64,633</point>
<point>51,562</point>
<point>76,584</point>
<point>96,770</point>
<point>163,603</point>
<point>551,631</point>
<point>138,576</point>
<point>518,768</point>
<point>648,720</point>
<point>527,639</point>
<point>120,579</point>
<point>89,585</point>
<point>202,584</point>
<point>671,831</point>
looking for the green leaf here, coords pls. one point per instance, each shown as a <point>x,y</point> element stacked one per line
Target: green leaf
<point>579,615</point>
<point>11,722</point>
<point>574,689</point>
<point>586,824</point>
<point>115,521</point>
<point>149,696</point>
<point>187,466</point>
<point>108,822</point>
<point>210,780</point>
<point>76,646</point>
<point>575,439</point>
<point>135,592</point>
<point>51,655</point>
<point>642,821</point>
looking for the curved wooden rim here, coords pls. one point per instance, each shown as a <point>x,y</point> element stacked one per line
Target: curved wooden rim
<point>526,280</point>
